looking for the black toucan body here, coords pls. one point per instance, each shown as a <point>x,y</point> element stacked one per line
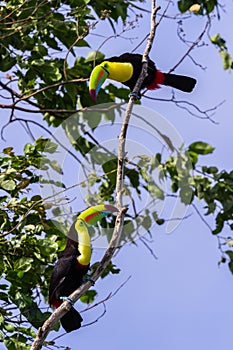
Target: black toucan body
<point>126,69</point>
<point>67,276</point>
<point>74,262</point>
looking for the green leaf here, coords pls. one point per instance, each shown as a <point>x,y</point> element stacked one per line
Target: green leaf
<point>110,268</point>
<point>8,185</point>
<point>38,62</point>
<point>6,62</point>
<point>41,50</point>
<point>210,5</point>
<point>82,43</point>
<point>186,195</point>
<point>155,191</point>
<point>16,341</point>
<point>88,297</point>
<point>146,222</point>
<point>200,147</point>
<point>218,40</point>
<point>23,264</point>
<point>109,168</point>
<point>160,221</point>
<point>8,150</point>
<point>133,176</point>
<point>46,145</point>
<point>29,148</point>
<point>210,170</point>
<point>226,59</point>
<point>94,56</point>
<point>56,166</point>
<point>184,5</point>
<point>230,264</point>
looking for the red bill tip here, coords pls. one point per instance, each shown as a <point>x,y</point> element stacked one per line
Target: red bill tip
<point>93,95</point>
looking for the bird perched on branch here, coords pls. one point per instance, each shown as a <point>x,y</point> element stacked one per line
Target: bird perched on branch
<point>126,69</point>
<point>74,262</point>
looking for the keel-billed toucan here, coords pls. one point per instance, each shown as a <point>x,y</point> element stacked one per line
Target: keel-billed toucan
<point>126,69</point>
<point>74,262</point>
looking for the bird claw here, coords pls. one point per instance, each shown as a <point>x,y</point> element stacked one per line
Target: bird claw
<point>67,299</point>
<point>135,95</point>
<point>88,278</point>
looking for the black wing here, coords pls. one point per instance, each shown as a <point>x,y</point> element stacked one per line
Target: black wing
<point>60,272</point>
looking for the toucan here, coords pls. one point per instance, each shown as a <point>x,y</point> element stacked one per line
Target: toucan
<point>74,262</point>
<point>126,69</point>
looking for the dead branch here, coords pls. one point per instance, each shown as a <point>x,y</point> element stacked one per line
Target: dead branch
<point>192,46</point>
<point>190,107</point>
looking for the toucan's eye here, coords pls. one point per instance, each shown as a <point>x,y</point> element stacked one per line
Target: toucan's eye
<point>80,223</point>
<point>105,65</point>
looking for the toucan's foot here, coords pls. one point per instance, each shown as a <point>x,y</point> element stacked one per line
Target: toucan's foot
<point>88,278</point>
<point>136,96</point>
<point>67,299</point>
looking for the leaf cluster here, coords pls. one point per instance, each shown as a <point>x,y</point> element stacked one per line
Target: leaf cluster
<point>36,39</point>
<point>208,184</point>
<point>29,243</point>
<point>206,6</point>
<point>220,44</point>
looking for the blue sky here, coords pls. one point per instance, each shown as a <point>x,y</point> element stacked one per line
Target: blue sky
<point>183,300</point>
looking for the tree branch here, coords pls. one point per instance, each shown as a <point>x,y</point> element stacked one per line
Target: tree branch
<point>115,240</point>
<point>192,46</point>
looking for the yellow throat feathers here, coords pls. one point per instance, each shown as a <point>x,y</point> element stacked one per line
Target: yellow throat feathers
<point>118,71</point>
<point>84,243</point>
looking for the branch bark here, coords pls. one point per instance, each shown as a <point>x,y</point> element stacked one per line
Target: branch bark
<point>114,243</point>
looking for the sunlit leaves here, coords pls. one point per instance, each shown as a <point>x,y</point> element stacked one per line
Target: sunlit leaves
<point>220,44</point>
<point>204,8</point>
<point>201,7</point>
<point>110,269</point>
<point>28,241</point>
<point>230,262</point>
<point>201,148</point>
<point>88,297</point>
<point>94,56</point>
<point>36,40</point>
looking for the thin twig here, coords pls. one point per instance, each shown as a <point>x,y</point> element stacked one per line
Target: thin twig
<point>194,44</point>
<point>201,217</point>
<point>109,296</point>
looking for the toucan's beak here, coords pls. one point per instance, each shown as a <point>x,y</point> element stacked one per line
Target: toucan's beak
<point>96,213</point>
<point>97,78</point>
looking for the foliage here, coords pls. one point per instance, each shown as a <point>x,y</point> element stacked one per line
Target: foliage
<point>34,36</point>
<point>206,8</point>
<point>45,73</point>
<point>29,242</point>
<point>220,43</point>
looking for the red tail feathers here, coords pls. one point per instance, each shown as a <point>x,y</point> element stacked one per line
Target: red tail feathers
<point>158,80</point>
<point>180,82</point>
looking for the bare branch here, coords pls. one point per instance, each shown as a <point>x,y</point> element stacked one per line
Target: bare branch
<point>108,297</point>
<point>201,217</point>
<point>192,46</point>
<point>143,240</point>
<point>190,107</point>
<point>98,318</point>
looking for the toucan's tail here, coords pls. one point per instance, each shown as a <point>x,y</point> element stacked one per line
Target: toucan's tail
<point>71,321</point>
<point>180,82</point>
